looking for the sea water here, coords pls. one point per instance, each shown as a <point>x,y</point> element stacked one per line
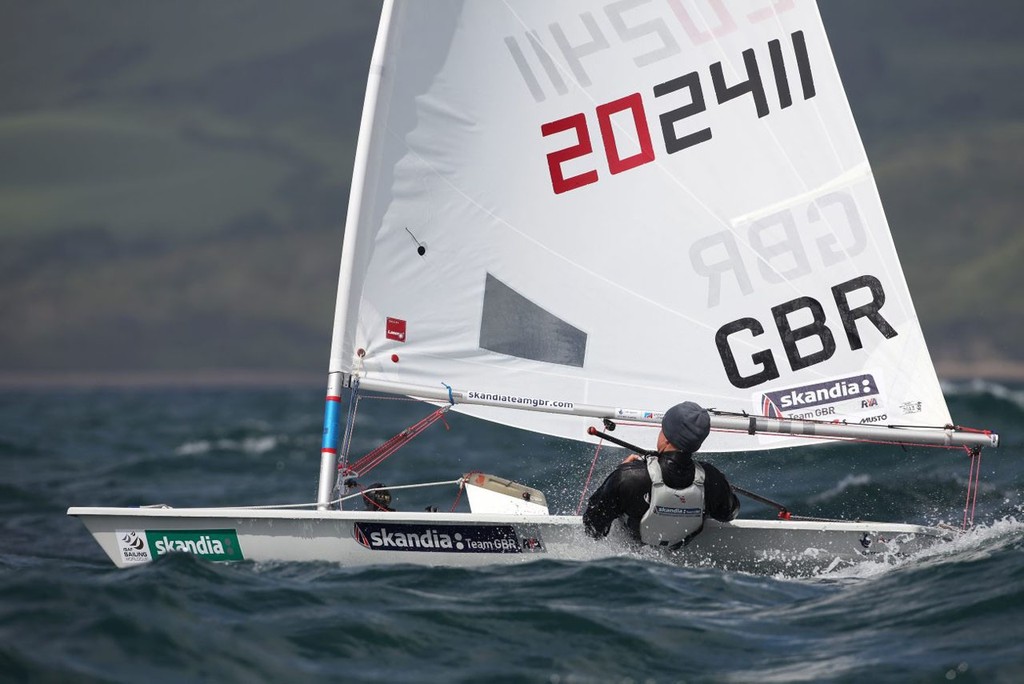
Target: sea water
<point>952,613</point>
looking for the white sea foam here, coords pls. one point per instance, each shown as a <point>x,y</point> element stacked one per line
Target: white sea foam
<point>978,542</point>
<point>841,486</point>
<point>249,445</point>
<point>193,448</point>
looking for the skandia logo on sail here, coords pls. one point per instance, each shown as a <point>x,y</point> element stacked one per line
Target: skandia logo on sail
<point>215,545</point>
<point>778,403</point>
<point>443,538</point>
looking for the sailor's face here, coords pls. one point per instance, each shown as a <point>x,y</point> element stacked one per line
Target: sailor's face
<point>663,443</point>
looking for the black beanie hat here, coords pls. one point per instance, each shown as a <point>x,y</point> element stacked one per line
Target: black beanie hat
<point>686,426</point>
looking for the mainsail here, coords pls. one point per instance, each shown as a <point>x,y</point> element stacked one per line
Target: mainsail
<point>623,204</point>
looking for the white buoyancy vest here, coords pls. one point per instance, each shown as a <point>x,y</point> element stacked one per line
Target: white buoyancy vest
<point>674,515</point>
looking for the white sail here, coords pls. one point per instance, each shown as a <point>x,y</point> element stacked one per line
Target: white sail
<point>625,204</point>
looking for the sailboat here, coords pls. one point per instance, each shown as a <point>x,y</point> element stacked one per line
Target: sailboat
<point>567,217</point>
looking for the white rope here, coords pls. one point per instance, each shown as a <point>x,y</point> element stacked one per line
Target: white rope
<point>338,501</point>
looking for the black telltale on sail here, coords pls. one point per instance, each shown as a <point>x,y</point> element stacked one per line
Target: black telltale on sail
<point>421,248</point>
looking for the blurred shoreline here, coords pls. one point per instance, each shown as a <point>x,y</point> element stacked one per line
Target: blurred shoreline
<point>994,370</point>
<point>227,378</point>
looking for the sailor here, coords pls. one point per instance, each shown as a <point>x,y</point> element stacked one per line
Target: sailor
<point>663,500</point>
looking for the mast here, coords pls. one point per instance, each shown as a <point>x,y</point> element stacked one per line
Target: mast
<point>332,409</point>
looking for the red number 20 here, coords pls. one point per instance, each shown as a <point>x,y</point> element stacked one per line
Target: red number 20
<point>583,147</point>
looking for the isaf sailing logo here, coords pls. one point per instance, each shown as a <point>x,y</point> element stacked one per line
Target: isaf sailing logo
<point>133,546</point>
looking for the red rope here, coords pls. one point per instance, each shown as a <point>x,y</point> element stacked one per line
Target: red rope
<point>375,457</point>
<point>462,486</point>
<point>967,429</point>
<point>586,485</point>
<point>973,482</point>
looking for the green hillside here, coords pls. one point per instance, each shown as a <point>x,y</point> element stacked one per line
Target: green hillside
<point>173,176</point>
<point>178,118</point>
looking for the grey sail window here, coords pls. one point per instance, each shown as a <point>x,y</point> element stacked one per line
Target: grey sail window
<point>512,324</point>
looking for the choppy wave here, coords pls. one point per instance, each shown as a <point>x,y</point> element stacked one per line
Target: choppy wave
<point>842,486</point>
<point>951,611</point>
<point>982,389</point>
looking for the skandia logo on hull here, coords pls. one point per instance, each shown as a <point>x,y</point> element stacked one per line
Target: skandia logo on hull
<point>215,545</point>
<point>442,538</point>
<point>779,402</point>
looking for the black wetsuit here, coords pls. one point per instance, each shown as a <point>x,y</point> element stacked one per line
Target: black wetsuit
<point>626,492</point>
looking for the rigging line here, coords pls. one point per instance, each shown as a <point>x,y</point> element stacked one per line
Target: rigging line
<point>419,485</point>
<point>795,435</point>
<point>314,504</point>
<point>375,457</point>
<point>973,482</point>
<point>784,513</point>
<point>350,423</point>
<point>462,486</point>
<point>852,440</point>
<point>590,474</point>
<point>947,426</point>
<point>977,482</point>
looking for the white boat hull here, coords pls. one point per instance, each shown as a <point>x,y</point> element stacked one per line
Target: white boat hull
<point>133,536</point>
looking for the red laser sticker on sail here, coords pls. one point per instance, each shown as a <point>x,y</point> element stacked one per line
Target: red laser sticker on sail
<point>396,329</point>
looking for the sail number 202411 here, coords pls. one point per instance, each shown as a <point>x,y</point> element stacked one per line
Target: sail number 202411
<point>633,104</point>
